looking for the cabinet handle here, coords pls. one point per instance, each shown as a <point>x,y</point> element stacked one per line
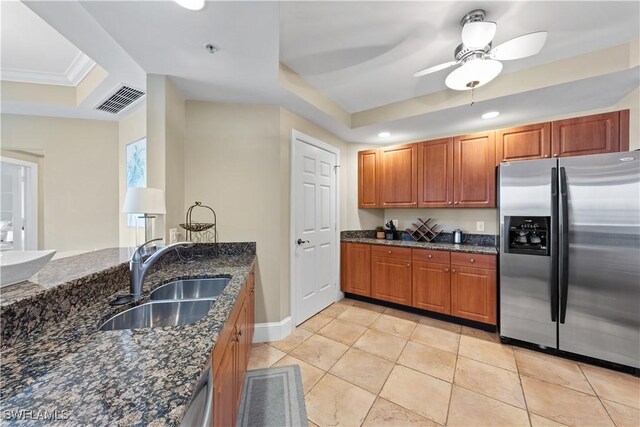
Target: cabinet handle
<point>413,203</point>
<point>555,155</point>
<point>546,155</point>
<point>448,203</point>
<point>446,270</point>
<point>408,265</point>
<point>240,333</point>
<point>429,256</point>
<point>472,260</point>
<point>455,203</point>
<point>453,270</point>
<point>389,251</point>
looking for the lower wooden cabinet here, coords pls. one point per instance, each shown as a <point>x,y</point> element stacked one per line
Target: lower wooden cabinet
<point>473,287</point>
<point>391,274</point>
<point>355,274</point>
<point>231,356</point>
<point>431,281</point>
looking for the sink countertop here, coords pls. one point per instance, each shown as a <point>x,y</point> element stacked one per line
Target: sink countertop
<point>143,376</point>
<point>467,248</point>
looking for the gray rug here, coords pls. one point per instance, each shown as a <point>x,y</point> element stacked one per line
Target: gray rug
<point>273,397</point>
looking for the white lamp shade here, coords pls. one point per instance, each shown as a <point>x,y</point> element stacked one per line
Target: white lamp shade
<point>481,71</point>
<point>142,200</point>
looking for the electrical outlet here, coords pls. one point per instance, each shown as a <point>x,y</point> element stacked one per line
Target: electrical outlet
<point>173,235</point>
<point>480,226</point>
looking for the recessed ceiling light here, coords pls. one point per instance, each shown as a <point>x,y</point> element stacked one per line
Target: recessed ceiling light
<point>384,134</point>
<point>191,4</point>
<point>490,114</point>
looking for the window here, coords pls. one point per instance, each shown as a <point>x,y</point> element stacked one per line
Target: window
<point>136,159</point>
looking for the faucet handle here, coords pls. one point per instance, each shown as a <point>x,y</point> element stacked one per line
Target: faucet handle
<point>136,254</point>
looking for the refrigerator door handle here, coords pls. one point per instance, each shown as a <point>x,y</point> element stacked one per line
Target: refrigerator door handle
<point>564,239</point>
<point>553,283</point>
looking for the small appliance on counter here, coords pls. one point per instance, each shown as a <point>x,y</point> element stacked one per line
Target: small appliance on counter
<point>458,236</point>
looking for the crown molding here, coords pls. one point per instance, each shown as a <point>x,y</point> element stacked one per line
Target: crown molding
<point>73,75</point>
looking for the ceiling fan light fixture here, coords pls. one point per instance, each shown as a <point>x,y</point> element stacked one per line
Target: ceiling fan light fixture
<point>473,74</point>
<point>478,34</point>
<point>191,4</point>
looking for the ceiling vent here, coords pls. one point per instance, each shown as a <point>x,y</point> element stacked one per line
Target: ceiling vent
<point>121,99</point>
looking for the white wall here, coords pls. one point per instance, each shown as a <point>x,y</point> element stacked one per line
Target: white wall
<point>80,167</point>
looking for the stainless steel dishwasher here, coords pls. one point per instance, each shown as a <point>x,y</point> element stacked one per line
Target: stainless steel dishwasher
<point>200,411</point>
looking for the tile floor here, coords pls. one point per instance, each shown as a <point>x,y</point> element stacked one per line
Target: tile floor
<point>368,365</point>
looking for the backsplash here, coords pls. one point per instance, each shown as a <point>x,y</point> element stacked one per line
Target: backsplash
<point>444,237</point>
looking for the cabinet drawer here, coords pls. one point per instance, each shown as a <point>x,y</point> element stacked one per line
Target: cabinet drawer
<point>473,260</point>
<point>391,252</point>
<point>426,255</point>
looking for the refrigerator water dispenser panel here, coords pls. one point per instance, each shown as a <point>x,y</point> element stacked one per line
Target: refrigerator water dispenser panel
<point>528,235</point>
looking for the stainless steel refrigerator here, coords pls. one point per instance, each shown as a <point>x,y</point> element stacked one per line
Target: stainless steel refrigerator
<point>570,254</point>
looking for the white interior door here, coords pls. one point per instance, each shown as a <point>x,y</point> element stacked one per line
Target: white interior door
<point>314,198</point>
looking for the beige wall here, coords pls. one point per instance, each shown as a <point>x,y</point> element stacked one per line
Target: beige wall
<point>80,167</point>
<point>130,129</point>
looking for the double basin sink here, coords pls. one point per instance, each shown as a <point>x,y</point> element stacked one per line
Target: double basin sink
<point>173,304</point>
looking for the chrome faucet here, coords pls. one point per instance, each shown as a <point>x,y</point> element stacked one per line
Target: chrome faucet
<point>138,268</point>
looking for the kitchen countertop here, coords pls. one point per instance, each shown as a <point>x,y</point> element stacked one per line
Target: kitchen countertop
<point>143,376</point>
<point>467,248</point>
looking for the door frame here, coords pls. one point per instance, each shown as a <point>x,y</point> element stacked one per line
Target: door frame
<point>31,201</point>
<point>299,137</point>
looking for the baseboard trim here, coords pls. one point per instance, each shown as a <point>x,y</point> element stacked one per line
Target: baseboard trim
<point>274,331</point>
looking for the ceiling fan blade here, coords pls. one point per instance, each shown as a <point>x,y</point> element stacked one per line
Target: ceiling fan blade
<point>478,34</point>
<point>434,69</point>
<point>519,47</point>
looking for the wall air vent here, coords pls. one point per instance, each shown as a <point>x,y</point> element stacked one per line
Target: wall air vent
<point>121,99</point>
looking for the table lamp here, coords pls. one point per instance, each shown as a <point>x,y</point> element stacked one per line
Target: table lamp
<point>145,201</point>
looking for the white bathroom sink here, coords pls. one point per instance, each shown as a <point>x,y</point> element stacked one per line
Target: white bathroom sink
<point>18,266</point>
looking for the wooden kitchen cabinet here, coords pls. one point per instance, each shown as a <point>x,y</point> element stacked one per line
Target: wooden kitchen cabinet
<point>523,143</point>
<point>431,281</point>
<point>368,169</point>
<point>398,179</point>
<point>435,173</point>
<point>355,261</point>
<point>230,356</point>
<point>473,287</point>
<point>391,274</point>
<point>474,175</point>
<point>595,134</point>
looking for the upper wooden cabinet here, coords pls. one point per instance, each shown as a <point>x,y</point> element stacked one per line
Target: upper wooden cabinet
<point>435,173</point>
<point>595,134</point>
<point>474,177</point>
<point>399,176</point>
<point>523,143</point>
<point>368,196</point>
<point>355,268</point>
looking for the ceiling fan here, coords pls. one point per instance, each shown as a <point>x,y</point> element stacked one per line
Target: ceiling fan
<point>480,60</point>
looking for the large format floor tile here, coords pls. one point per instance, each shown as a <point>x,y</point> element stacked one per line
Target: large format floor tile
<point>345,332</point>
<point>334,310</point>
<point>319,351</point>
<point>488,352</point>
<point>387,414</point>
<point>359,316</point>
<point>538,421</point>
<point>622,415</point>
<point>394,326</point>
<point>436,337</point>
<point>614,386</point>
<point>552,369</point>
<point>297,337</point>
<point>491,381</point>
<point>472,409</point>
<point>315,323</point>
<point>440,324</point>
<point>263,356</point>
<point>563,405</point>
<point>336,402</point>
<point>432,361</point>
<point>363,369</point>
<point>380,344</point>
<point>421,393</point>
<point>309,373</point>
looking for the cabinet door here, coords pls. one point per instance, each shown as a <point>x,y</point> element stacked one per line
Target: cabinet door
<point>251,307</point>
<point>356,268</point>
<point>435,173</point>
<point>474,171</point>
<point>399,176</point>
<point>431,287</point>
<point>391,277</point>
<point>368,196</point>
<point>523,143</point>
<point>242,353</point>
<point>473,294</point>
<point>224,383</point>
<point>594,134</point>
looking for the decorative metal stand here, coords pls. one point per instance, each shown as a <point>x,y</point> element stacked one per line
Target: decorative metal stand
<point>423,232</point>
<point>200,232</point>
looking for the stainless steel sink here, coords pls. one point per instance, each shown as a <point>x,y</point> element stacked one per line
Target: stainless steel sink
<point>157,314</point>
<point>209,288</point>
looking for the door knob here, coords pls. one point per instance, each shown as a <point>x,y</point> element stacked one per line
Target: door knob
<point>300,241</point>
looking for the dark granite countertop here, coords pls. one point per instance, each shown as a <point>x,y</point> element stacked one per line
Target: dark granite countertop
<point>468,248</point>
<point>127,377</point>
